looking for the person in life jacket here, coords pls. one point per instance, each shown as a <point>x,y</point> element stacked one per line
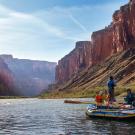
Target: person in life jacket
<point>111,85</point>
<point>99,98</point>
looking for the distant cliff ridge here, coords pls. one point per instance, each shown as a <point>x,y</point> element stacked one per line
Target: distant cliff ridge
<point>30,76</point>
<point>117,37</point>
<point>6,80</point>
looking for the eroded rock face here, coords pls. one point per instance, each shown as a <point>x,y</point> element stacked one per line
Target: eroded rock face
<point>6,80</point>
<point>102,42</point>
<point>117,37</point>
<point>124,27</point>
<point>78,59</point>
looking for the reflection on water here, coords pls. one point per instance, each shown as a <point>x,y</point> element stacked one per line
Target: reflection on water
<point>53,117</point>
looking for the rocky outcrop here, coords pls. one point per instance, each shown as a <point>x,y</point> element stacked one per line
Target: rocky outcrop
<point>30,76</point>
<point>124,27</point>
<point>102,42</point>
<point>78,59</point>
<point>6,80</point>
<point>117,37</point>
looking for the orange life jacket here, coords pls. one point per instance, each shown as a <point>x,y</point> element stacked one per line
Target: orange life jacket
<point>99,99</point>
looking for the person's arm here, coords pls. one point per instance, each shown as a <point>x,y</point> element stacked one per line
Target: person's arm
<point>126,99</point>
<point>114,83</point>
<point>133,98</point>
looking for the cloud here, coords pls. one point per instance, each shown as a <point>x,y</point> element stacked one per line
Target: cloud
<point>20,19</point>
<point>49,34</point>
<point>78,23</point>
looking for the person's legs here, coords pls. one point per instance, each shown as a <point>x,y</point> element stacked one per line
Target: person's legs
<point>113,97</point>
<point>110,95</point>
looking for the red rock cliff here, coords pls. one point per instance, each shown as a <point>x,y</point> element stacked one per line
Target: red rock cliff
<point>102,42</point>
<point>76,60</point>
<point>124,27</point>
<point>117,37</point>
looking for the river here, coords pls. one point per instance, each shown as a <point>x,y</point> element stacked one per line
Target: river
<point>53,117</point>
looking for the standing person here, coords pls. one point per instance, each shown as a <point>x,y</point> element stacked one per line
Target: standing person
<point>111,84</point>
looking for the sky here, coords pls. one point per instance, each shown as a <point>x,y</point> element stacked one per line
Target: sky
<point>48,29</point>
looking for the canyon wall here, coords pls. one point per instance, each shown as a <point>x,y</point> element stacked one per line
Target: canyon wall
<point>78,59</point>
<point>6,80</point>
<point>30,76</point>
<point>117,37</point>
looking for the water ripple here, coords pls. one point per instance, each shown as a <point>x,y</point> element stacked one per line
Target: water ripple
<point>53,117</point>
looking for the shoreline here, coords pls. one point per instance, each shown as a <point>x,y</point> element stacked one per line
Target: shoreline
<point>14,97</point>
<point>120,91</point>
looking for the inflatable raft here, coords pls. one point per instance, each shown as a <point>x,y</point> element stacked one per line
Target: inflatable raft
<point>114,114</point>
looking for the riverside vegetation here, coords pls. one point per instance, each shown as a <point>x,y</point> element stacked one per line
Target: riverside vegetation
<point>120,91</point>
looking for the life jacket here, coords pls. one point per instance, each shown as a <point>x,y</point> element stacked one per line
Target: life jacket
<point>99,99</point>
